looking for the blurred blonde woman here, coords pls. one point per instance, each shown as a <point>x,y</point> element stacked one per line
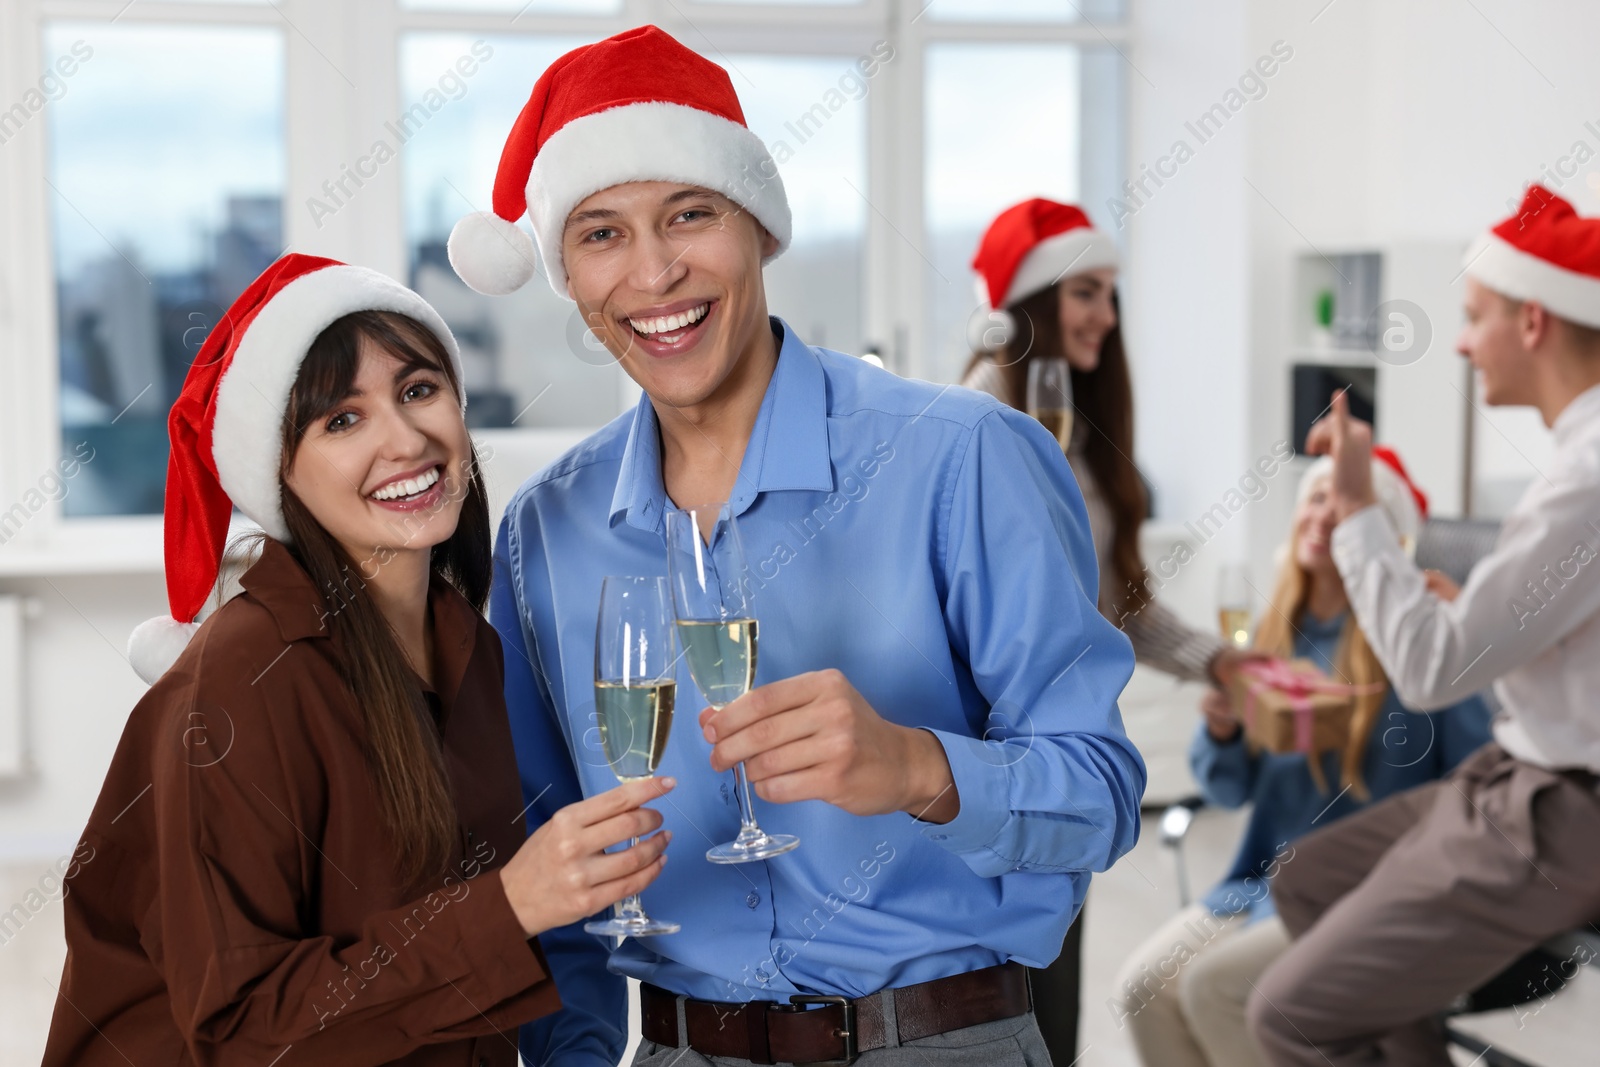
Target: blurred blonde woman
<point>1182,993</point>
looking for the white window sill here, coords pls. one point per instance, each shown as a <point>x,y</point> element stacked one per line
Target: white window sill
<point>133,545</point>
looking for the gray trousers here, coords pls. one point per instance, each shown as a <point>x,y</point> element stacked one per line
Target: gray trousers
<point>1399,909</point>
<point>1006,1043</point>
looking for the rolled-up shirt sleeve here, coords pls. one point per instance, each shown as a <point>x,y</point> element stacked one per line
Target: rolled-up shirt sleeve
<point>1051,781</point>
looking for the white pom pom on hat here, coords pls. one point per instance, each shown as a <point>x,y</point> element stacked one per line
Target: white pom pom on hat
<point>990,329</point>
<point>155,645</point>
<point>493,256</point>
<point>226,425</point>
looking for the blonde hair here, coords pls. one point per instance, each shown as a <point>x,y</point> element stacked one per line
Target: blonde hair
<point>1354,663</point>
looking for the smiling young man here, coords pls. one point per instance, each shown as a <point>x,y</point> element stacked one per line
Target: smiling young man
<point>936,710</point>
<point>1399,909</point>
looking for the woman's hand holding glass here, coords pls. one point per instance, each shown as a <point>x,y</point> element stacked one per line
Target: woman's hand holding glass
<point>563,873</point>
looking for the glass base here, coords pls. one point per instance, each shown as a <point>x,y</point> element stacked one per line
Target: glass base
<point>642,926</point>
<point>757,846</point>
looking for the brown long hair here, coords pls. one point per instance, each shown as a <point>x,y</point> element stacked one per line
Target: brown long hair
<point>1103,398</point>
<point>403,749</point>
<point>1354,663</point>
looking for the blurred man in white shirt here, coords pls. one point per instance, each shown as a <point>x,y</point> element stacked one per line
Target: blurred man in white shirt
<point>1400,909</point>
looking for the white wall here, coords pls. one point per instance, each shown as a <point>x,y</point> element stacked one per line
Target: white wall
<point>1392,123</point>
<point>1185,289</point>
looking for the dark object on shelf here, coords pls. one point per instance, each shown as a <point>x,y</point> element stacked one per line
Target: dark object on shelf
<point>1313,386</point>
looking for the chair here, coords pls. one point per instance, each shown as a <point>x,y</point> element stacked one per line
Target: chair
<point>1453,547</point>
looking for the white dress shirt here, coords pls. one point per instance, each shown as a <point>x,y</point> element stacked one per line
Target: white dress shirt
<point>1528,619</point>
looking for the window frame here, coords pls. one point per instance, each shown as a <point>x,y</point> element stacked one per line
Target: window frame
<point>342,78</point>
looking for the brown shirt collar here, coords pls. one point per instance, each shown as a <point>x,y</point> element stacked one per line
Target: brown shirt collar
<point>278,583</point>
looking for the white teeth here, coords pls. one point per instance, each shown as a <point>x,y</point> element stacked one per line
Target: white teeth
<point>409,487</point>
<point>670,323</point>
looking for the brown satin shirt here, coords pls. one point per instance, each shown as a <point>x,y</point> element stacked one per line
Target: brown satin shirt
<point>233,899</point>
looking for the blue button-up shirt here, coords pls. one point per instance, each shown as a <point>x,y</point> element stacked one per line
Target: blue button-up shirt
<point>931,544</point>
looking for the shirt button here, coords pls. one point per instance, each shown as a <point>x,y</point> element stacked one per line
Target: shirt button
<point>727,797</point>
<point>940,837</point>
<point>763,977</point>
<point>753,899</point>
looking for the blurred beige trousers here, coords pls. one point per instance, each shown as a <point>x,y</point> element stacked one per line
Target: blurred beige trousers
<point>1181,995</point>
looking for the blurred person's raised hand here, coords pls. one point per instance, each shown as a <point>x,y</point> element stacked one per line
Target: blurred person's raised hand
<point>1349,441</point>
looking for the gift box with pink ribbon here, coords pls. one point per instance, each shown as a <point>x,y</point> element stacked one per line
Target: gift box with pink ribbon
<point>1291,706</point>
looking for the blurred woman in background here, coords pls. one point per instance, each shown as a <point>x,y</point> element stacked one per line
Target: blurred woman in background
<point>1048,278</point>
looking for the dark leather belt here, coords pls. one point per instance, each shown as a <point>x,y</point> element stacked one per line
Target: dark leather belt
<point>834,1030</point>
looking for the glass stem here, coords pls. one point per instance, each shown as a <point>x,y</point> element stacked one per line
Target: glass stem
<point>631,908</point>
<point>747,815</point>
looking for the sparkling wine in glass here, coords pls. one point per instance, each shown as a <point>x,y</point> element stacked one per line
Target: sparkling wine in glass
<point>1050,396</point>
<point>635,660</point>
<point>1233,604</point>
<point>706,569</point>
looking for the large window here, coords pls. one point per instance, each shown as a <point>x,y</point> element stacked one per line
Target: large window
<point>166,175</point>
<point>196,141</point>
<point>522,368</point>
<point>812,113</point>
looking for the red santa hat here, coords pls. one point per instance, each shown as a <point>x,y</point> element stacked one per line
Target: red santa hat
<point>1029,247</point>
<point>227,425</point>
<point>635,107</point>
<point>1546,253</point>
<point>1401,500</point>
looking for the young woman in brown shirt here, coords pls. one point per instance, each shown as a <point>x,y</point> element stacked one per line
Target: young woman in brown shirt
<point>309,848</point>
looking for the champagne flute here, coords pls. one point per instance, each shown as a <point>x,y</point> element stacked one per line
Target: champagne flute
<point>1233,604</point>
<point>718,629</point>
<point>1050,396</point>
<point>635,660</point>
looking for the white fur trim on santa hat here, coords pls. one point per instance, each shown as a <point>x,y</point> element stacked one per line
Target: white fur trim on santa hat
<point>155,645</point>
<point>650,142</point>
<point>1508,270</point>
<point>1057,257</point>
<point>254,392</point>
<point>491,255</point>
<point>1394,495</point>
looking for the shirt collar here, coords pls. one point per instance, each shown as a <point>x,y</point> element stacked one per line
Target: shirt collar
<point>280,585</point>
<point>1582,411</point>
<point>788,447</point>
